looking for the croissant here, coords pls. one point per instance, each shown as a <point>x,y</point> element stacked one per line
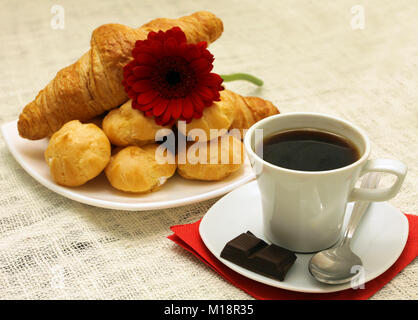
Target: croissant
<point>233,111</point>
<point>93,84</point>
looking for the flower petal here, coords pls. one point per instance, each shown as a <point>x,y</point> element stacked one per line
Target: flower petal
<point>142,71</point>
<point>211,80</point>
<point>149,49</point>
<point>157,48</point>
<point>160,107</point>
<point>152,35</point>
<point>205,92</point>
<point>139,42</point>
<point>197,115</point>
<point>179,107</point>
<point>159,121</point>
<point>145,107</point>
<point>192,53</point>
<point>179,35</point>
<point>198,103</point>
<point>131,94</point>
<point>202,45</point>
<point>145,59</point>
<point>147,97</point>
<point>171,107</point>
<point>135,104</point>
<point>217,96</point>
<point>201,65</point>
<point>182,49</point>
<point>130,80</point>
<point>160,35</point>
<point>170,46</point>
<point>127,69</point>
<point>187,108</point>
<point>142,86</point>
<point>135,52</point>
<point>208,56</point>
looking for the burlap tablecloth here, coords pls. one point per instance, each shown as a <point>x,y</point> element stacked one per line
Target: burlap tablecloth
<point>312,55</point>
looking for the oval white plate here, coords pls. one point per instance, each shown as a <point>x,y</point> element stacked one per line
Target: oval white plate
<point>378,241</point>
<point>98,192</point>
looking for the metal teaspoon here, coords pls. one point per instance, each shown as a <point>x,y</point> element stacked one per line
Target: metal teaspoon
<point>338,264</point>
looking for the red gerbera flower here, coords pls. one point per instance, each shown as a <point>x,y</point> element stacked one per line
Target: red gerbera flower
<point>170,79</point>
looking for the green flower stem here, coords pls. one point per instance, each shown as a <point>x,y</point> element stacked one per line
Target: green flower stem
<point>242,76</point>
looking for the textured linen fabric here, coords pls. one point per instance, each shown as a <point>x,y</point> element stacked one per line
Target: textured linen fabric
<point>310,58</point>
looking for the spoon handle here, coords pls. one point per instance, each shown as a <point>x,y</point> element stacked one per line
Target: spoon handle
<point>370,181</point>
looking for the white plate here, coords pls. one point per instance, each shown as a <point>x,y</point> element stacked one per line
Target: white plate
<point>98,192</point>
<point>378,241</point>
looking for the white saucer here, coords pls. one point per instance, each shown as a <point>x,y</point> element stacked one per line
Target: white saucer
<point>98,192</point>
<point>378,241</point>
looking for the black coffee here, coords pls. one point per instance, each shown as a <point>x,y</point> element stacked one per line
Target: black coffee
<point>309,150</point>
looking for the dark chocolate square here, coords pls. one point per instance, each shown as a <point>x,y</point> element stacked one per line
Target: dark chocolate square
<point>252,253</point>
<point>242,247</point>
<point>273,261</point>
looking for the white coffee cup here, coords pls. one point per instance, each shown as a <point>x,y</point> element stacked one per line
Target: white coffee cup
<point>303,211</point>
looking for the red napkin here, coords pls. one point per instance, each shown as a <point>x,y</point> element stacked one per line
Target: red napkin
<point>187,236</point>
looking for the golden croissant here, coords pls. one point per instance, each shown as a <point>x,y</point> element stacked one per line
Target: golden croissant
<point>233,111</point>
<point>93,84</point>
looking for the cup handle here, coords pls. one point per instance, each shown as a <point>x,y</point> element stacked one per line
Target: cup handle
<point>395,167</point>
